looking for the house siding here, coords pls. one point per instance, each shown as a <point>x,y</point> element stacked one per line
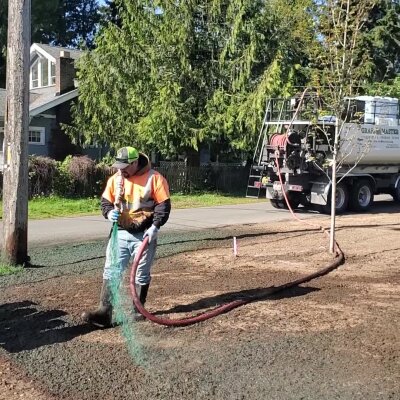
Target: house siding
<point>47,124</point>
<point>60,145</point>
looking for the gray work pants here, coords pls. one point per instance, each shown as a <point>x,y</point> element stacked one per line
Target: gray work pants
<point>128,244</point>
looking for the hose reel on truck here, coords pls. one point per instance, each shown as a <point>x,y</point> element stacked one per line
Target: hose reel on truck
<point>300,140</point>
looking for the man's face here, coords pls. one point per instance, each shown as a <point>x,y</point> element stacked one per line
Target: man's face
<point>131,169</point>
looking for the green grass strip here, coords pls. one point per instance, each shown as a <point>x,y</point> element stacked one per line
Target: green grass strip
<point>53,207</point>
<point>10,270</point>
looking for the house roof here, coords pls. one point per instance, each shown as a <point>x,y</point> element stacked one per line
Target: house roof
<point>53,52</point>
<point>41,100</point>
<point>47,100</point>
<point>40,96</point>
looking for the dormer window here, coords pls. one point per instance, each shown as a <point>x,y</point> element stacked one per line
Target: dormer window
<point>35,75</point>
<point>53,73</point>
<point>43,73</point>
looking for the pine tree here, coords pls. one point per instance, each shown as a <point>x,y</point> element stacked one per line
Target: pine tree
<point>171,76</point>
<point>382,40</point>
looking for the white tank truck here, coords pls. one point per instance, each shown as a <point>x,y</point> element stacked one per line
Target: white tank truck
<point>296,141</point>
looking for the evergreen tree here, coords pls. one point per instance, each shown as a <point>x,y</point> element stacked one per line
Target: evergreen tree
<point>111,12</point>
<point>375,56</point>
<point>173,75</point>
<point>382,40</point>
<point>77,22</point>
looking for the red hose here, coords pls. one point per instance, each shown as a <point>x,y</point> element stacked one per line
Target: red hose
<point>278,140</point>
<point>338,251</point>
<point>225,307</point>
<point>166,321</point>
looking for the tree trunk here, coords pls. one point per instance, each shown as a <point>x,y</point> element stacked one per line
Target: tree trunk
<point>332,239</point>
<point>15,181</point>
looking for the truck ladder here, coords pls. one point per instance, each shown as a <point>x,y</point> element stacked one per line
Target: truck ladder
<point>254,183</point>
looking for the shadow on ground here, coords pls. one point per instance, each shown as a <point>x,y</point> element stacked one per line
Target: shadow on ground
<point>258,294</point>
<point>23,326</point>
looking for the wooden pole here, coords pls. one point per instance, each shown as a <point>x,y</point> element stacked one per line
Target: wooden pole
<point>15,174</point>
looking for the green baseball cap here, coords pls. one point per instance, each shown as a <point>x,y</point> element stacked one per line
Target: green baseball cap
<point>125,156</point>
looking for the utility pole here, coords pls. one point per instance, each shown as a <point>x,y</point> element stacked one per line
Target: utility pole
<point>15,173</point>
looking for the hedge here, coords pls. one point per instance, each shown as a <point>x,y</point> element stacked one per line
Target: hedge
<point>80,176</point>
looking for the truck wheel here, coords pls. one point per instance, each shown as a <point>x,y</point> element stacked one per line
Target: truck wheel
<point>281,204</point>
<point>396,193</point>
<point>342,200</point>
<point>361,196</point>
<point>294,200</point>
<point>274,203</point>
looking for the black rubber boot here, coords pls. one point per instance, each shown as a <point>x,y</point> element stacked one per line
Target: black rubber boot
<point>141,291</point>
<point>102,317</point>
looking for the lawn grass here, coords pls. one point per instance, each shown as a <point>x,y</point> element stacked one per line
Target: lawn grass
<point>208,200</point>
<point>9,270</point>
<point>53,207</point>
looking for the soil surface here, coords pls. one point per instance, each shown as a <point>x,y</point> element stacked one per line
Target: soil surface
<point>335,337</point>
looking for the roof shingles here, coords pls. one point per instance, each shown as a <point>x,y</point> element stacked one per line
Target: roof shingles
<point>54,51</point>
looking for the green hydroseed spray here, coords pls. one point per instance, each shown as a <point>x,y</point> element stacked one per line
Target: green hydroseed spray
<point>122,303</point>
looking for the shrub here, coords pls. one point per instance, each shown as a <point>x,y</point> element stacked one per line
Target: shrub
<point>103,172</point>
<point>76,176</point>
<point>63,184</point>
<point>79,176</point>
<point>41,175</point>
<point>82,172</point>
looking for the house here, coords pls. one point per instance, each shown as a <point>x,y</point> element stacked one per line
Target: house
<point>52,91</point>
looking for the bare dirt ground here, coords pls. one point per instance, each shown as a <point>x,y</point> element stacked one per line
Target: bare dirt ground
<point>336,337</point>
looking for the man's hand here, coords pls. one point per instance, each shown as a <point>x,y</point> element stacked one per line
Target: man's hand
<point>152,233</point>
<point>113,215</point>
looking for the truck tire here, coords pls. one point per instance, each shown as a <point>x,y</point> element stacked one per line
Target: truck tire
<point>342,200</point>
<point>361,195</point>
<point>281,204</point>
<point>395,192</point>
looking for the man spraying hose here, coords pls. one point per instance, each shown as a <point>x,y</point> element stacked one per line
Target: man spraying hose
<point>137,199</point>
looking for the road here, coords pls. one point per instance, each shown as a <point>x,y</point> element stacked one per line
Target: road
<point>87,228</point>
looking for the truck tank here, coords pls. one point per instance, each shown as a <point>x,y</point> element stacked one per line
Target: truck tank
<point>370,133</point>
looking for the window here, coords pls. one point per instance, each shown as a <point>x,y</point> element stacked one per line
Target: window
<point>43,73</point>
<point>35,75</point>
<point>36,135</point>
<point>53,73</point>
